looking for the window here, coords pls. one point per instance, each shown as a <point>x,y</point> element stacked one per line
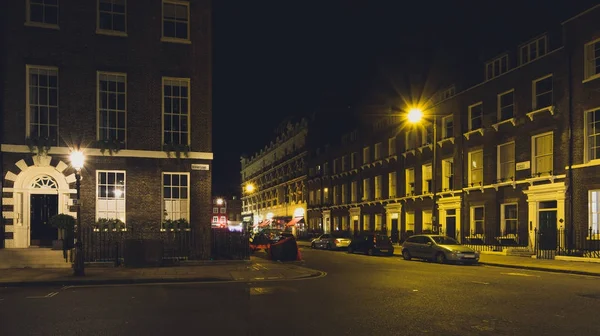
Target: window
<point>378,151</point>
<point>592,60</point>
<point>448,174</point>
<point>542,154</point>
<point>542,92</point>
<point>506,105</point>
<point>336,166</point>
<point>176,196</point>
<point>223,210</point>
<point>533,50</point>
<point>344,194</point>
<point>336,223</point>
<point>42,98</point>
<point>215,210</point>
<point>366,222</point>
<point>427,135</point>
<point>223,220</point>
<point>392,184</point>
<point>509,220</point>
<point>496,67</point>
<point>326,195</point>
<point>592,134</point>
<point>345,225</point>
<point>366,155</point>
<point>336,195</point>
<point>378,222</point>
<point>593,211</point>
<point>410,181</point>
<point>410,222</point>
<point>476,168</point>
<point>392,146</point>
<point>110,195</point>
<point>112,16</point>
<point>475,116</point>
<point>42,12</point>
<point>353,160</point>
<point>447,127</point>
<point>176,107</point>
<point>378,183</point>
<point>344,163</point>
<point>506,161</point>
<point>112,106</point>
<point>427,186</point>
<point>366,189</point>
<point>319,196</point>
<point>215,219</point>
<point>311,197</point>
<point>176,21</point>
<point>427,223</point>
<point>354,191</point>
<point>410,140</point>
<point>477,220</point>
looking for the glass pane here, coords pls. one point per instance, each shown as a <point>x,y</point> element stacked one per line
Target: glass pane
<point>167,192</point>
<point>111,178</point>
<point>169,29</point>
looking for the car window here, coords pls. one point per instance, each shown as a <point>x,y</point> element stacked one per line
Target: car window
<point>442,240</point>
<point>412,240</point>
<point>422,240</point>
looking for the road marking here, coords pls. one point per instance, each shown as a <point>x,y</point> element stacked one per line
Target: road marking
<point>481,282</point>
<point>521,274</point>
<point>47,296</point>
<point>415,290</point>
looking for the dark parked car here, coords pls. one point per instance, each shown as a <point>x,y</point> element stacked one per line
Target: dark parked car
<point>372,244</point>
<point>439,248</point>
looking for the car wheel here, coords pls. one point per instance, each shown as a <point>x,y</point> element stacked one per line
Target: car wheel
<point>440,258</point>
<point>312,246</point>
<point>371,252</point>
<point>406,255</point>
<point>350,249</point>
<point>329,246</point>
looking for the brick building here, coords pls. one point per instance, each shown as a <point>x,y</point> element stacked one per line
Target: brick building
<point>129,82</point>
<point>503,151</point>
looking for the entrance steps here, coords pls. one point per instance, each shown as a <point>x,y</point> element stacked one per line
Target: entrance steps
<point>33,257</point>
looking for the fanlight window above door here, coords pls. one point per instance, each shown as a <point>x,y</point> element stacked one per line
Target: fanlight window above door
<point>44,182</point>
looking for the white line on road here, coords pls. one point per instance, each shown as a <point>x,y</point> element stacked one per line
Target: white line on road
<point>521,274</point>
<point>47,296</point>
<point>481,282</point>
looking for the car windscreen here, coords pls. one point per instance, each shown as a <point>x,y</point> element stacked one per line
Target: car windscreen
<point>382,238</point>
<point>441,240</point>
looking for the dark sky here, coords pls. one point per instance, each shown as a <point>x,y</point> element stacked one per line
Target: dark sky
<point>275,59</point>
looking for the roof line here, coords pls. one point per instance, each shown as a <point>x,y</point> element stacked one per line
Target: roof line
<point>581,14</point>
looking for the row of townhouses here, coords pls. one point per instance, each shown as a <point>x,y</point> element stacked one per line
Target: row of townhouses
<point>129,84</point>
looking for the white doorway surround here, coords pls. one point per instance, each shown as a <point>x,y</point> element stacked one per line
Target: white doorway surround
<point>544,193</point>
<point>40,178</point>
<point>449,209</point>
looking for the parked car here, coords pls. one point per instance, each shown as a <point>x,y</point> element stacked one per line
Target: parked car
<point>372,244</point>
<point>331,241</point>
<point>438,248</point>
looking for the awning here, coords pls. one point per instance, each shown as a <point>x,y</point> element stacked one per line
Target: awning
<point>294,221</point>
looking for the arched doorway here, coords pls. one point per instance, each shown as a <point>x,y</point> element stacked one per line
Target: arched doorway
<point>43,204</point>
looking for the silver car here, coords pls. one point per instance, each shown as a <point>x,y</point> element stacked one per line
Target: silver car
<point>330,241</point>
<point>439,248</point>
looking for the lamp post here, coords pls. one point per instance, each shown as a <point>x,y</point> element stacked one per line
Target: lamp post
<point>415,116</point>
<point>77,160</point>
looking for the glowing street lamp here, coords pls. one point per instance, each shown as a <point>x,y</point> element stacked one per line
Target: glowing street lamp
<point>77,160</point>
<point>415,115</point>
<point>250,188</point>
<point>219,201</point>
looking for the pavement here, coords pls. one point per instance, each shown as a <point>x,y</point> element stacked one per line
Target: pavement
<point>573,266</point>
<point>257,269</point>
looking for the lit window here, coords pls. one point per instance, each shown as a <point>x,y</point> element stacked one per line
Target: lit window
<point>475,116</point>
<point>476,168</point>
<point>378,183</point>
<point>42,99</point>
<point>110,197</point>
<point>42,12</point>
<point>392,184</point>
<point>427,186</point>
<point>112,106</point>
<point>176,107</point>
<point>378,222</point>
<point>222,210</point>
<point>592,134</point>
<point>506,161</point>
<point>542,154</point>
<point>593,212</point>
<point>176,18</point>
<point>506,105</point>
<point>410,222</point>
<point>112,16</point>
<point>542,92</point>
<point>366,189</point>
<point>448,174</point>
<point>410,181</point>
<point>215,219</point>
<point>176,196</point>
<point>427,222</point>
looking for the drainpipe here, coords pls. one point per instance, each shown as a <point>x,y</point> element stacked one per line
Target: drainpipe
<point>570,191</point>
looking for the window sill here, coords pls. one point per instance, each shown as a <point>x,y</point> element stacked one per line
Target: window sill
<point>422,148</point>
<point>410,151</point>
<point>111,32</point>
<point>448,139</point>
<point>534,112</point>
<point>469,133</point>
<point>591,163</point>
<point>591,78</point>
<point>175,40</point>
<point>42,25</point>
<point>391,157</point>
<point>512,120</point>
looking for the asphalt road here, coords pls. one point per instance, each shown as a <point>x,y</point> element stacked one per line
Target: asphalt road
<point>361,295</point>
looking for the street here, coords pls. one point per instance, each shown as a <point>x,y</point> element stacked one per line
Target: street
<point>360,295</point>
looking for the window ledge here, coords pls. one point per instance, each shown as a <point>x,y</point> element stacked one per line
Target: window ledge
<point>469,133</point>
<point>391,157</point>
<point>513,121</point>
<point>505,184</point>
<point>175,40</point>
<point>591,163</point>
<point>111,32</point>
<point>42,25</point>
<point>547,108</point>
<point>448,139</point>
<point>410,151</point>
<point>473,187</point>
<point>591,78</point>
<point>422,148</point>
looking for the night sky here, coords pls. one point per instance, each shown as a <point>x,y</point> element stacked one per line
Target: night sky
<point>279,59</point>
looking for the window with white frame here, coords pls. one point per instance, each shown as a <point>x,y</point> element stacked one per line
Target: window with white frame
<point>410,221</point>
<point>366,155</point>
<point>42,103</point>
<point>345,223</point>
<point>215,210</point>
<point>326,195</point>
<point>496,67</point>
<point>344,194</point>
<point>392,146</point>
<point>410,181</point>
<point>319,196</point>
<point>477,220</point>
<point>378,153</point>
<point>176,196</point>
<point>447,127</point>
<point>336,223</point>
<point>506,161</point>
<point>475,116</point>
<point>426,183</point>
<point>176,21</point>
<point>42,12</point>
<point>378,222</point>
<point>509,219</point>
<point>112,16</point>
<point>112,106</point>
<point>448,174</point>
<point>311,197</point>
<point>378,187</point>
<point>592,59</point>
<point>335,195</point>
<point>476,168</point>
<point>427,222</point>
<point>366,222</point>
<point>506,105</point>
<point>215,219</point>
<point>542,154</point>
<point>542,92</point>
<point>176,107</point>
<point>354,191</point>
<point>110,195</point>
<point>533,50</point>
<point>594,211</point>
<point>392,184</point>
<point>222,210</point>
<point>592,134</point>
<point>366,189</point>
<point>427,137</point>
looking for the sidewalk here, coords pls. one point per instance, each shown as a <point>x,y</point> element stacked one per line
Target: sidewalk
<point>253,270</point>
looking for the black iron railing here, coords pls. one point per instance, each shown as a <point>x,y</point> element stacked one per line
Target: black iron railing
<point>563,242</point>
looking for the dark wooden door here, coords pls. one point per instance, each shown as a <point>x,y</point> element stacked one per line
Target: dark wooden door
<point>547,231</point>
<point>451,227</point>
<point>42,208</point>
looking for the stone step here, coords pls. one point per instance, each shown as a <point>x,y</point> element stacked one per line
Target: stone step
<point>32,257</point>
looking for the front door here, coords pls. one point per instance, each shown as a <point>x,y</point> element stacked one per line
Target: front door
<point>451,227</point>
<point>42,208</point>
<point>547,230</point>
<point>395,237</point>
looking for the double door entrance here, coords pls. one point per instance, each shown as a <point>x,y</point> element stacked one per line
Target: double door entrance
<point>41,209</point>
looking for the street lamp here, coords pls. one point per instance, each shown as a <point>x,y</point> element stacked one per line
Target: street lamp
<point>77,161</point>
<point>249,188</point>
<point>415,116</point>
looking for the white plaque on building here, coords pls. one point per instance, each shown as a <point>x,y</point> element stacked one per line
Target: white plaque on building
<point>200,166</point>
<point>523,165</point>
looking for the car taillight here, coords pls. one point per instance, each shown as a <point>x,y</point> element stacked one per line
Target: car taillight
<point>374,240</point>
<point>338,241</point>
